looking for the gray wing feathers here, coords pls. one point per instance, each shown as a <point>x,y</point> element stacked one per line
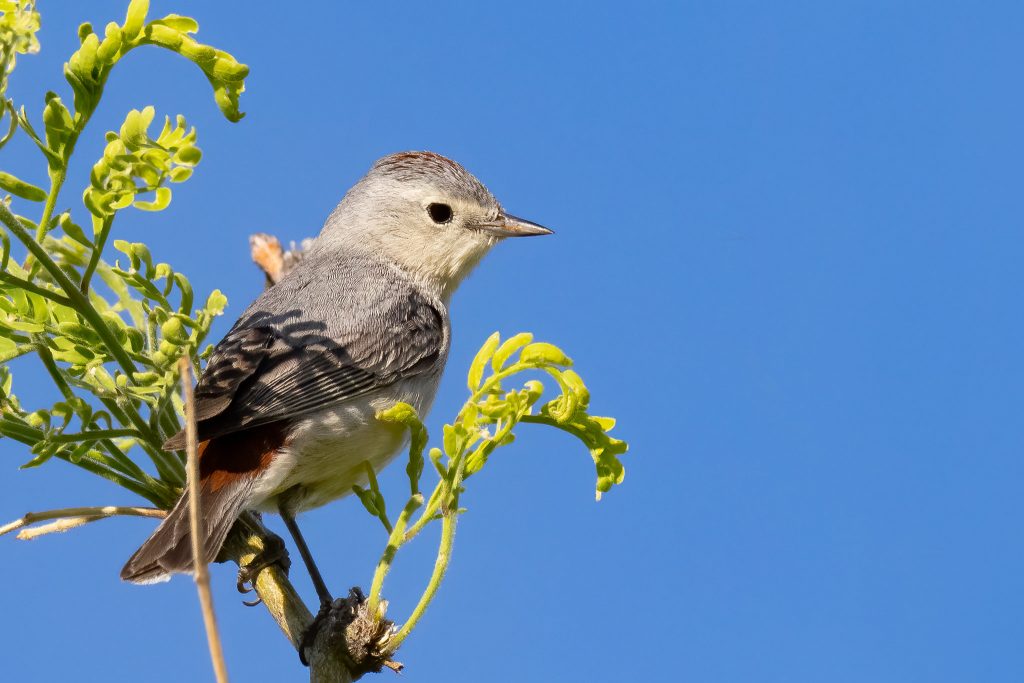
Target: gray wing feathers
<point>236,358</point>
<point>314,344</point>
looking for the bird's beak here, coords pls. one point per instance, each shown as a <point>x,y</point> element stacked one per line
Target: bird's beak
<point>510,226</point>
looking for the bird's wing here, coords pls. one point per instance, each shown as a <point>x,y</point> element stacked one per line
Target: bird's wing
<point>270,372</point>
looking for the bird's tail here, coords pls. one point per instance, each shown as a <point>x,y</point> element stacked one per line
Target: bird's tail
<point>169,549</point>
<point>229,467</point>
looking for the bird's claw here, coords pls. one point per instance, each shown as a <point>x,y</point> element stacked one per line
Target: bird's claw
<point>274,553</point>
<point>309,635</point>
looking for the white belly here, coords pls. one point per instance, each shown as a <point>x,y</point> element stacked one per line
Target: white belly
<point>327,450</point>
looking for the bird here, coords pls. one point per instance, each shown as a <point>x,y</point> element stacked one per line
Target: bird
<point>286,406</point>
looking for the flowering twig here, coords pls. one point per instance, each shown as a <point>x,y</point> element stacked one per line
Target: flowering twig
<point>485,423</point>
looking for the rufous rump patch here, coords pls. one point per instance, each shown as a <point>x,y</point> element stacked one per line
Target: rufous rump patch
<point>226,459</point>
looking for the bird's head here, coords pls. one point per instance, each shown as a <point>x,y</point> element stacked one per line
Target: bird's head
<point>427,214</point>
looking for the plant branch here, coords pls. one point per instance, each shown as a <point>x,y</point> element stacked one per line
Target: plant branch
<point>168,467</point>
<point>56,183</point>
<point>79,301</point>
<point>95,434</point>
<point>247,542</point>
<point>89,513</point>
<point>97,251</point>
<point>444,553</point>
<point>395,541</point>
<point>57,527</point>
<point>128,465</point>
<point>46,357</point>
<point>118,478</point>
<point>35,289</point>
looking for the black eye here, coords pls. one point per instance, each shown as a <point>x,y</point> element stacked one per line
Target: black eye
<point>440,213</point>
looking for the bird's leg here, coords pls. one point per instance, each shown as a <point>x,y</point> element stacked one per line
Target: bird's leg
<point>318,582</point>
<point>274,552</point>
<point>307,558</point>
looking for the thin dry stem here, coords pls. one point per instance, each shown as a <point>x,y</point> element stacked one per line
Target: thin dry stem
<point>202,575</point>
<point>60,526</point>
<point>88,514</point>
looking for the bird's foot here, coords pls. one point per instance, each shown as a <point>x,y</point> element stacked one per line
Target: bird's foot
<point>309,635</point>
<point>362,640</point>
<point>274,553</point>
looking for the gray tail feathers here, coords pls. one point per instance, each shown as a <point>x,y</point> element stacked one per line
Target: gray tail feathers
<point>169,549</point>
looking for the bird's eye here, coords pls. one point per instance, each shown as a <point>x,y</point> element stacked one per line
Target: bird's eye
<point>440,213</point>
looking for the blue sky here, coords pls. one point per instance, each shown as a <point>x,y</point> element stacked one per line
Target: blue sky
<point>787,259</point>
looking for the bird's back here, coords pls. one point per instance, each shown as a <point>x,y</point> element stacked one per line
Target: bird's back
<point>336,328</point>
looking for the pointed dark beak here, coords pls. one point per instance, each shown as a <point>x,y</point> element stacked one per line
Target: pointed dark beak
<point>511,226</point>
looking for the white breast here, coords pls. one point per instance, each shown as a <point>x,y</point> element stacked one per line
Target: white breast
<point>327,449</point>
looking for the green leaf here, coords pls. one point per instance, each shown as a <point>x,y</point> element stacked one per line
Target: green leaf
<point>405,414</point>
<point>178,23</point>
<point>6,381</point>
<point>136,340</point>
<point>83,62</point>
<point>542,353</point>
<point>532,391</point>
<point>96,203</point>
<point>40,308</point>
<point>174,331</point>
<point>84,100</point>
<point>224,72</point>
<point>189,155</point>
<point>23,326</point>
<point>453,440</point>
<point>43,451</point>
<point>511,345</point>
<point>476,368</point>
<point>180,174</point>
<point>111,45</point>
<point>494,408</point>
<point>20,188</point>
<point>122,201</point>
<point>73,230</point>
<point>563,408</point>
<point>125,247</point>
<point>216,302</point>
<point>9,349</point>
<point>160,202</point>
<point>77,355</point>
<point>226,96</point>
<point>227,69</point>
<point>368,500</point>
<point>136,123</point>
<point>147,378</point>
<point>435,455</point>
<point>19,297</point>
<point>399,413</point>
<point>574,383</point>
<point>135,18</point>
<point>57,121</point>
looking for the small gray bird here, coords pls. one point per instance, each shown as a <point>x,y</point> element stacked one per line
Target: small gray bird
<point>286,405</point>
